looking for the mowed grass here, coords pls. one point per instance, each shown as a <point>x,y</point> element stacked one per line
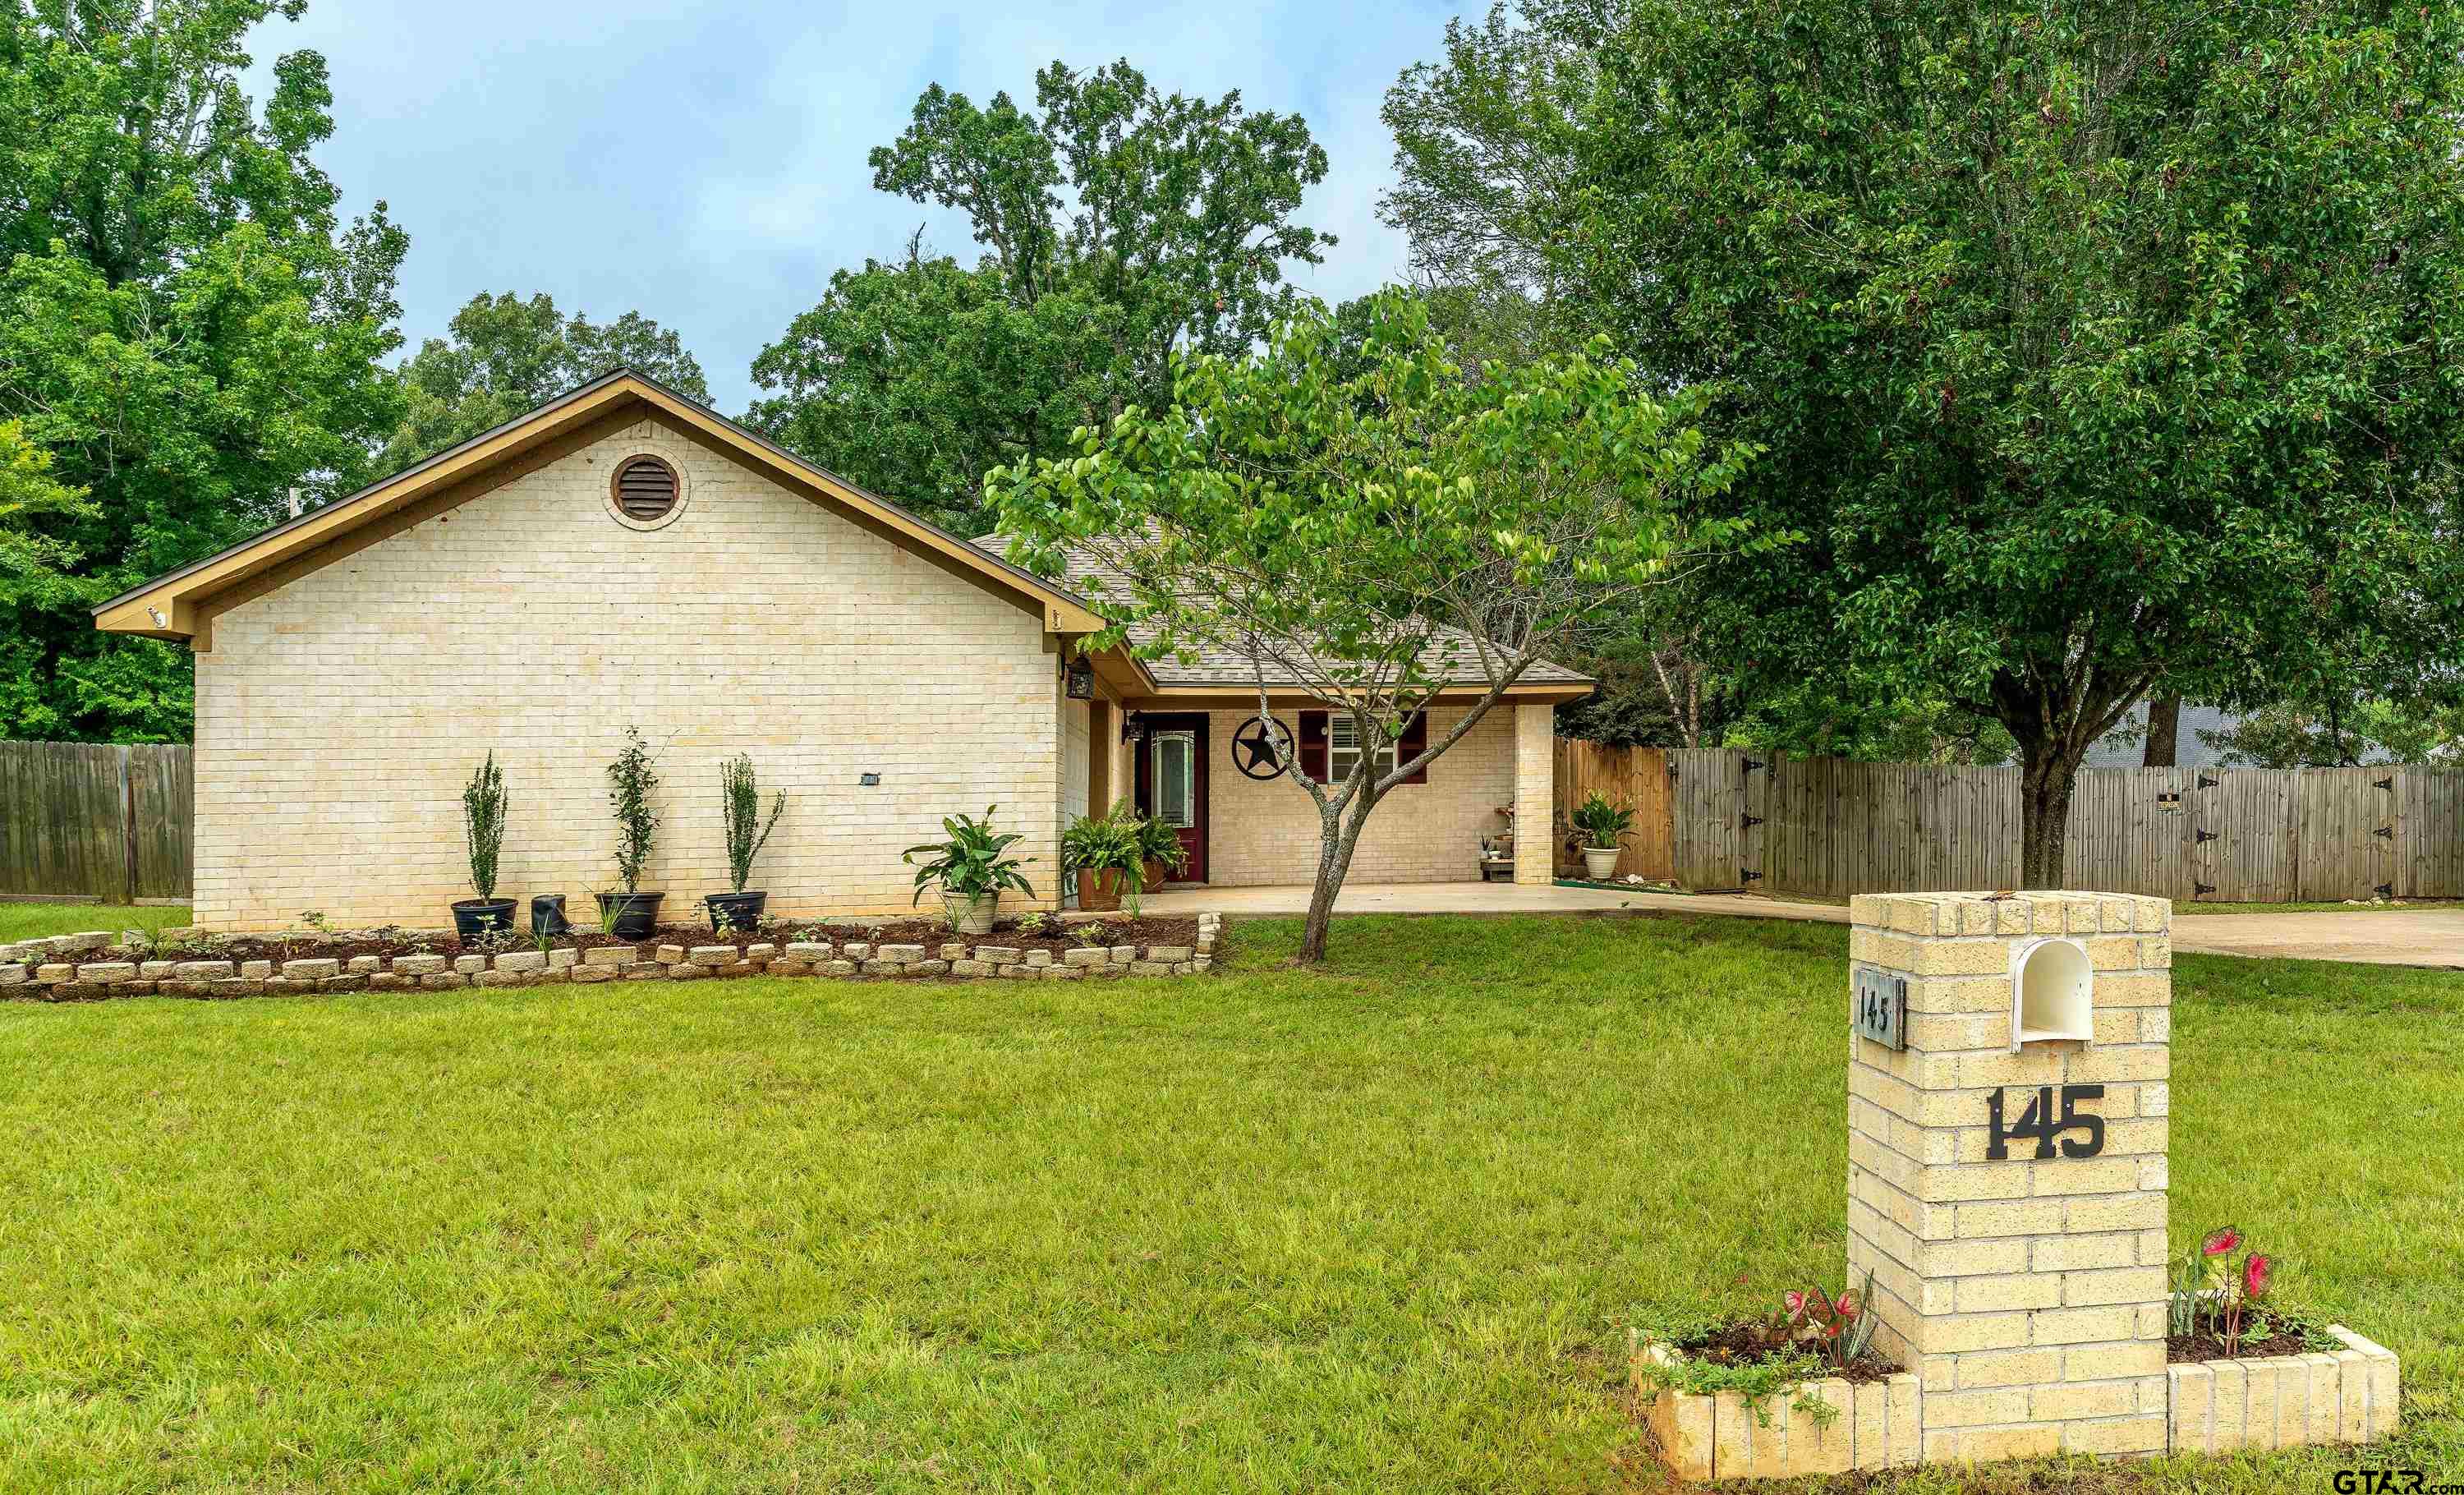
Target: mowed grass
<point>33,920</point>
<point>1379,1229</point>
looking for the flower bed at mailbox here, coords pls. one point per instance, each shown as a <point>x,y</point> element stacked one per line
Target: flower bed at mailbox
<point>1862,1419</point>
<point>1065,947</point>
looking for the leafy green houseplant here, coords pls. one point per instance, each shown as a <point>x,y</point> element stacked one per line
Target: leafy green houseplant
<point>970,869</point>
<point>1604,824</point>
<point>631,778</point>
<point>748,831</point>
<point>483,836</point>
<point>1159,845</point>
<point>1110,855</point>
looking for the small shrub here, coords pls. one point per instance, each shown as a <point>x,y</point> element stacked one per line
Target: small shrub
<point>747,832</point>
<point>483,823</point>
<point>630,779</point>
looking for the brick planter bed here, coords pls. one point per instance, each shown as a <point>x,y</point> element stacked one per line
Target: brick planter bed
<point>50,970</point>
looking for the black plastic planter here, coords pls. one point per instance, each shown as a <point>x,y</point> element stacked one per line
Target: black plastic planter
<point>474,917</point>
<point>743,910</point>
<point>547,915</point>
<point>637,914</point>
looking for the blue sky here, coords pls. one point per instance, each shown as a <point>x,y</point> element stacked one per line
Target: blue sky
<point>704,165</point>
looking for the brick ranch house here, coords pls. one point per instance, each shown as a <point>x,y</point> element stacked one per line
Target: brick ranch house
<point>621,554</point>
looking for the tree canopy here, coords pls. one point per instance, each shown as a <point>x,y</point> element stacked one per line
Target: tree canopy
<point>2097,352</point>
<point>186,328</point>
<point>1366,518</point>
<point>503,355</point>
<point>1117,224</point>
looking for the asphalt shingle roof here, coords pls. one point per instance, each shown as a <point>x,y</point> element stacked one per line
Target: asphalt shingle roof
<point>1226,667</point>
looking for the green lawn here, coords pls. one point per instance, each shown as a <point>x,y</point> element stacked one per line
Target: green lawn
<point>1374,1230</point>
<point>30,920</point>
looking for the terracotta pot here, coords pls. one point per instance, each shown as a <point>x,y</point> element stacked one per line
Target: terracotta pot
<point>1600,863</point>
<point>1100,892</point>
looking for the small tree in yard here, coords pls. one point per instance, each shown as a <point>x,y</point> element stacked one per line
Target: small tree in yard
<point>1369,522</point>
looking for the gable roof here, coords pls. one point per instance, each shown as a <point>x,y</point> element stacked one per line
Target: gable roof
<point>1450,657</point>
<point>177,604</point>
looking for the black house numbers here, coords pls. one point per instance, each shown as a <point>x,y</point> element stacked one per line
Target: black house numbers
<point>2041,1122</point>
<point>1881,1008</point>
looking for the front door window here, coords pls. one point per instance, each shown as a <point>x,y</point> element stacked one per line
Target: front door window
<point>1175,779</point>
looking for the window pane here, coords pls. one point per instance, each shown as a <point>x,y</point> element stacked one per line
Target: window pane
<point>1176,755</point>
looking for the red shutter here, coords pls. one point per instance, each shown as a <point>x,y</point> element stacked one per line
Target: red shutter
<point>1415,741</point>
<point>1313,745</point>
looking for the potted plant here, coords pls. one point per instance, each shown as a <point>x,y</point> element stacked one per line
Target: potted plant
<point>1160,850</point>
<point>632,914</point>
<point>747,834</point>
<point>971,871</point>
<point>483,834</point>
<point>1107,854</point>
<point>1604,824</point>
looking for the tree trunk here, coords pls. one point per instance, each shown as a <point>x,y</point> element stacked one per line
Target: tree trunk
<point>1337,836</point>
<point>2048,771</point>
<point>2164,733</point>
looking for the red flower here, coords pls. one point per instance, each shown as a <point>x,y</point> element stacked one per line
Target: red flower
<point>2255,1273</point>
<point>1794,1302</point>
<point>2220,1241</point>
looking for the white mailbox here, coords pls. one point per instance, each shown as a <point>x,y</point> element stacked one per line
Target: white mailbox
<point>2053,992</point>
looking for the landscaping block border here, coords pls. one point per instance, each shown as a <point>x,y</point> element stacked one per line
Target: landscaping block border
<point>44,970</point>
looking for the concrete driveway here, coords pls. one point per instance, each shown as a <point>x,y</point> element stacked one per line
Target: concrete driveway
<point>2373,936</point>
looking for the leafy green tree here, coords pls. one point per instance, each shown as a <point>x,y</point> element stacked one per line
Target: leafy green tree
<point>1320,522</point>
<point>2098,351</point>
<point>504,355</point>
<point>29,560</point>
<point>2342,731</point>
<point>1118,224</point>
<point>185,327</point>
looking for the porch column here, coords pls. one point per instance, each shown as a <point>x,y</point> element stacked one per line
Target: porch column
<point>1535,794</point>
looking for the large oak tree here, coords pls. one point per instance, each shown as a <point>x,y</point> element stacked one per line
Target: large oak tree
<point>2100,350</point>
<point>1117,224</point>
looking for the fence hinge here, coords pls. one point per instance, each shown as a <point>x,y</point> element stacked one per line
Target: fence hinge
<point>1672,770</point>
<point>2384,890</point>
<point>2206,783</point>
<point>1748,822</point>
<point>2385,832</point>
<point>2197,888</point>
<point>2202,837</point>
<point>2387,784</point>
<point>1746,874</point>
<point>1754,763</point>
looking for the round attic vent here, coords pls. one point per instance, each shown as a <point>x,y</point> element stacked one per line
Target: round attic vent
<point>646,491</point>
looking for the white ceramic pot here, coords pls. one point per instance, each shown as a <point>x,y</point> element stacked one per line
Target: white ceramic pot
<point>971,915</point>
<point>1600,863</point>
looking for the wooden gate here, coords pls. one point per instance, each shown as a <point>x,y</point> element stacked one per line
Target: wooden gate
<point>1636,777</point>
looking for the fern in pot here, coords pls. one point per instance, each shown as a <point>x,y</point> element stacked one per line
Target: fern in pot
<point>632,914</point>
<point>747,834</point>
<point>1604,824</point>
<point>483,836</point>
<point>970,871</point>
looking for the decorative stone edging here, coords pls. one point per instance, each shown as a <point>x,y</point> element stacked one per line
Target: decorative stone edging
<point>2349,1396</point>
<point>28,975</point>
<point>1716,1436</point>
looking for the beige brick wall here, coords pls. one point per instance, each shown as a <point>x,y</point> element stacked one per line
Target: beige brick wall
<point>2028,1294</point>
<point>338,715</point>
<point>1267,833</point>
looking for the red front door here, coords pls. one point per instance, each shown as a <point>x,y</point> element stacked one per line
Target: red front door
<point>1172,783</point>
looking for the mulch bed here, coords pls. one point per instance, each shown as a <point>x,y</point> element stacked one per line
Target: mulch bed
<point>345,944</point>
<point>1743,1344</point>
<point>2191,1348</point>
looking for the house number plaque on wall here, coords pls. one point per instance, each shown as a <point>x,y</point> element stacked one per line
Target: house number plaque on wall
<point>1881,1008</point>
<point>2041,1122</point>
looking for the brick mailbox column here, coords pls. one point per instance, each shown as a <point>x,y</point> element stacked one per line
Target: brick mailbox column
<point>2007,1165</point>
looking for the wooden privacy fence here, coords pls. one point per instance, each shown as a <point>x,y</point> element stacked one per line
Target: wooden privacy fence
<point>85,819</point>
<point>1719,818</point>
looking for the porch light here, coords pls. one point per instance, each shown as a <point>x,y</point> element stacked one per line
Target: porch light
<point>1133,726</point>
<point>1079,678</point>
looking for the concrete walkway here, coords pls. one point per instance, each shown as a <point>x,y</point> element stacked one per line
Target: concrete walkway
<point>2373,936</point>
